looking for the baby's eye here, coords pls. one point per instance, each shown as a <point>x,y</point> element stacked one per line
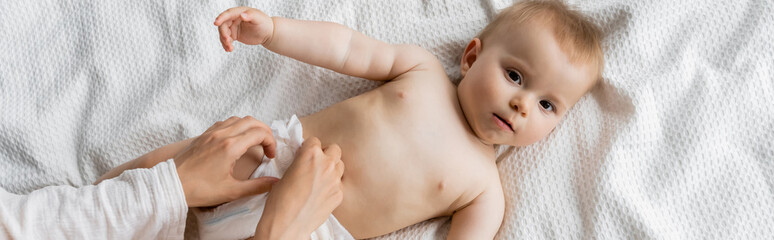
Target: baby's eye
<point>547,105</point>
<point>514,76</point>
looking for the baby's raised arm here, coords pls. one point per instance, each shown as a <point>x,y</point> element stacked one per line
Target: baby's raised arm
<point>325,44</point>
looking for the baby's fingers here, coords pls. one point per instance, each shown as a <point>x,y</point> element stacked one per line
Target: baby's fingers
<point>245,17</point>
<point>230,14</point>
<point>234,29</point>
<point>225,36</point>
<point>251,15</point>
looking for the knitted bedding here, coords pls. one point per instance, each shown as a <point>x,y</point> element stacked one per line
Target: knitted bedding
<point>676,142</point>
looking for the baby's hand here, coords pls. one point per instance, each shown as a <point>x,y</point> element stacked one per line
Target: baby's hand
<point>247,25</point>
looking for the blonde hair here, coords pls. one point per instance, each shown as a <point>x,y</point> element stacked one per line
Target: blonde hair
<point>577,36</point>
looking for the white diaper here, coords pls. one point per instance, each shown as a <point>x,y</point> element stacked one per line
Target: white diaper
<point>238,219</point>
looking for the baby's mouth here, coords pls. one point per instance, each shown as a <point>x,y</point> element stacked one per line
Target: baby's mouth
<point>504,121</point>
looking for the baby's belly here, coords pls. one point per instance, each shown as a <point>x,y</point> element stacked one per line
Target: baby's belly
<point>388,187</point>
<point>384,188</point>
<point>382,198</point>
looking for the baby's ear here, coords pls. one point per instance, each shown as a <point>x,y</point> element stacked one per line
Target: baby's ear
<point>470,55</point>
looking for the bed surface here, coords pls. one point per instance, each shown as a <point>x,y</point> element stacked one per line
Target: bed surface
<point>676,142</point>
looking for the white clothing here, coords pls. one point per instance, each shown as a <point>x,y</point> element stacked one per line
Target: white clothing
<point>138,204</point>
<point>238,219</point>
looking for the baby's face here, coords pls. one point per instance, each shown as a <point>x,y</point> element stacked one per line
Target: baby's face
<point>517,87</point>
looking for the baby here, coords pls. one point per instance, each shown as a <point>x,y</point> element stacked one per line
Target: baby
<point>419,147</point>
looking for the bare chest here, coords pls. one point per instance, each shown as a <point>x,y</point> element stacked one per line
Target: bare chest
<point>404,149</point>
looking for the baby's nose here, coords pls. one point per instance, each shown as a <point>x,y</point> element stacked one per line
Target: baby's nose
<point>519,108</point>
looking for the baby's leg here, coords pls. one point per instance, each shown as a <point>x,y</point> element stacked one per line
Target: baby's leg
<point>243,167</point>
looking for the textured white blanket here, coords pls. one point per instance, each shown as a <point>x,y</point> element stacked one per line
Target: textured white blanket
<point>676,142</point>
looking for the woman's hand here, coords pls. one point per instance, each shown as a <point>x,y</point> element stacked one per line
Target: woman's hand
<point>244,24</point>
<point>205,166</point>
<point>307,194</point>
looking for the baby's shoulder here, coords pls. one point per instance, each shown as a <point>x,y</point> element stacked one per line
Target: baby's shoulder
<point>472,176</point>
<point>418,57</point>
<point>422,79</point>
<point>469,159</point>
<point>483,166</point>
<point>425,65</point>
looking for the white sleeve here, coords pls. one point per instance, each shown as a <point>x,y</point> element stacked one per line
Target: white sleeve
<point>139,204</point>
